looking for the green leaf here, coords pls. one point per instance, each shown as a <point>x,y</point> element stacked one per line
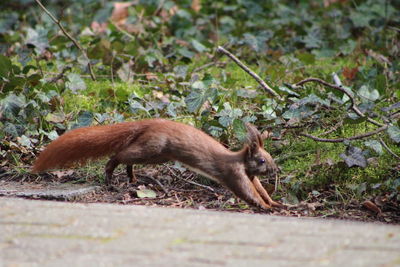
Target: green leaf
<point>38,38</point>
<point>11,106</point>
<point>201,92</point>
<point>144,193</point>
<point>298,112</point>
<point>5,66</point>
<point>306,58</point>
<point>360,19</point>
<point>394,133</point>
<point>24,141</point>
<point>368,93</point>
<point>181,71</point>
<point>228,115</point>
<point>374,145</point>
<point>185,52</point>
<point>75,82</point>
<point>12,129</point>
<point>85,119</point>
<point>353,118</point>
<point>313,99</point>
<point>239,128</point>
<point>199,47</point>
<point>135,106</point>
<point>287,90</point>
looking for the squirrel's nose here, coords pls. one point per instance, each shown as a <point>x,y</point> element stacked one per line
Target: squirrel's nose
<point>273,170</point>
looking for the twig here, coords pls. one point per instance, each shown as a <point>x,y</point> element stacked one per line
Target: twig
<point>209,64</point>
<point>343,90</point>
<point>340,140</point>
<point>60,75</point>
<point>388,149</point>
<point>155,181</point>
<point>143,199</point>
<point>112,69</point>
<point>188,181</point>
<point>69,37</point>
<point>200,185</point>
<point>334,128</point>
<point>122,30</point>
<point>265,86</point>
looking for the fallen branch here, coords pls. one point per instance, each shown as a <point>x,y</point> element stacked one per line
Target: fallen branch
<point>343,90</point>
<point>265,86</point>
<point>340,140</point>
<point>69,37</point>
<point>388,149</point>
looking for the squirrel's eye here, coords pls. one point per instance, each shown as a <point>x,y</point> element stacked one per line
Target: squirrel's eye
<point>261,161</point>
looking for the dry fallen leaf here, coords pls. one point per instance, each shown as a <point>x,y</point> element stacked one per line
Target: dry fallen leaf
<point>372,207</point>
<point>350,73</point>
<point>120,12</point>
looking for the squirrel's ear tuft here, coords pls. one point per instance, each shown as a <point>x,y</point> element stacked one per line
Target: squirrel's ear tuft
<point>253,137</point>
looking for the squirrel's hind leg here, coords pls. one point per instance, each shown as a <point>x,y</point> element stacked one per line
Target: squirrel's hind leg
<point>131,174</point>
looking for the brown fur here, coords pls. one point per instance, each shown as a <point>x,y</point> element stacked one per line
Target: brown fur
<point>156,141</point>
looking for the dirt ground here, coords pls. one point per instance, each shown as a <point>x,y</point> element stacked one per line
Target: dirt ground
<point>165,187</point>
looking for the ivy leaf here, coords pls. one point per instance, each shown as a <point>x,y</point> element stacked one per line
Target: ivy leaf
<point>228,115</point>
<point>394,133</point>
<point>313,99</point>
<point>374,145</point>
<point>5,66</point>
<point>199,47</point>
<point>201,92</point>
<point>75,82</point>
<point>135,106</point>
<point>181,71</point>
<point>368,93</point>
<point>25,141</point>
<point>12,129</point>
<point>360,19</point>
<point>11,105</point>
<point>38,38</point>
<point>354,157</point>
<point>240,130</point>
<point>296,112</point>
<point>289,91</point>
<point>85,119</point>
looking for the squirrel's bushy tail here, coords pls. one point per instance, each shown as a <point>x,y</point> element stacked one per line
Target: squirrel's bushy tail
<point>83,144</point>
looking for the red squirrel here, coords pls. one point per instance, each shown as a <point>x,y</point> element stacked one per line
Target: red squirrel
<point>153,141</point>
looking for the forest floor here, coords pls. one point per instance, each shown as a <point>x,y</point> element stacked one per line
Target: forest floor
<point>170,189</point>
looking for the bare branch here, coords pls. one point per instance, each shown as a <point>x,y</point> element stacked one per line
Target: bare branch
<point>340,140</point>
<point>388,149</point>
<point>265,86</point>
<point>343,90</point>
<point>334,128</point>
<point>69,37</point>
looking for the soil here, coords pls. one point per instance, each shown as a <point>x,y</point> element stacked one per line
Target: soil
<point>165,187</point>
